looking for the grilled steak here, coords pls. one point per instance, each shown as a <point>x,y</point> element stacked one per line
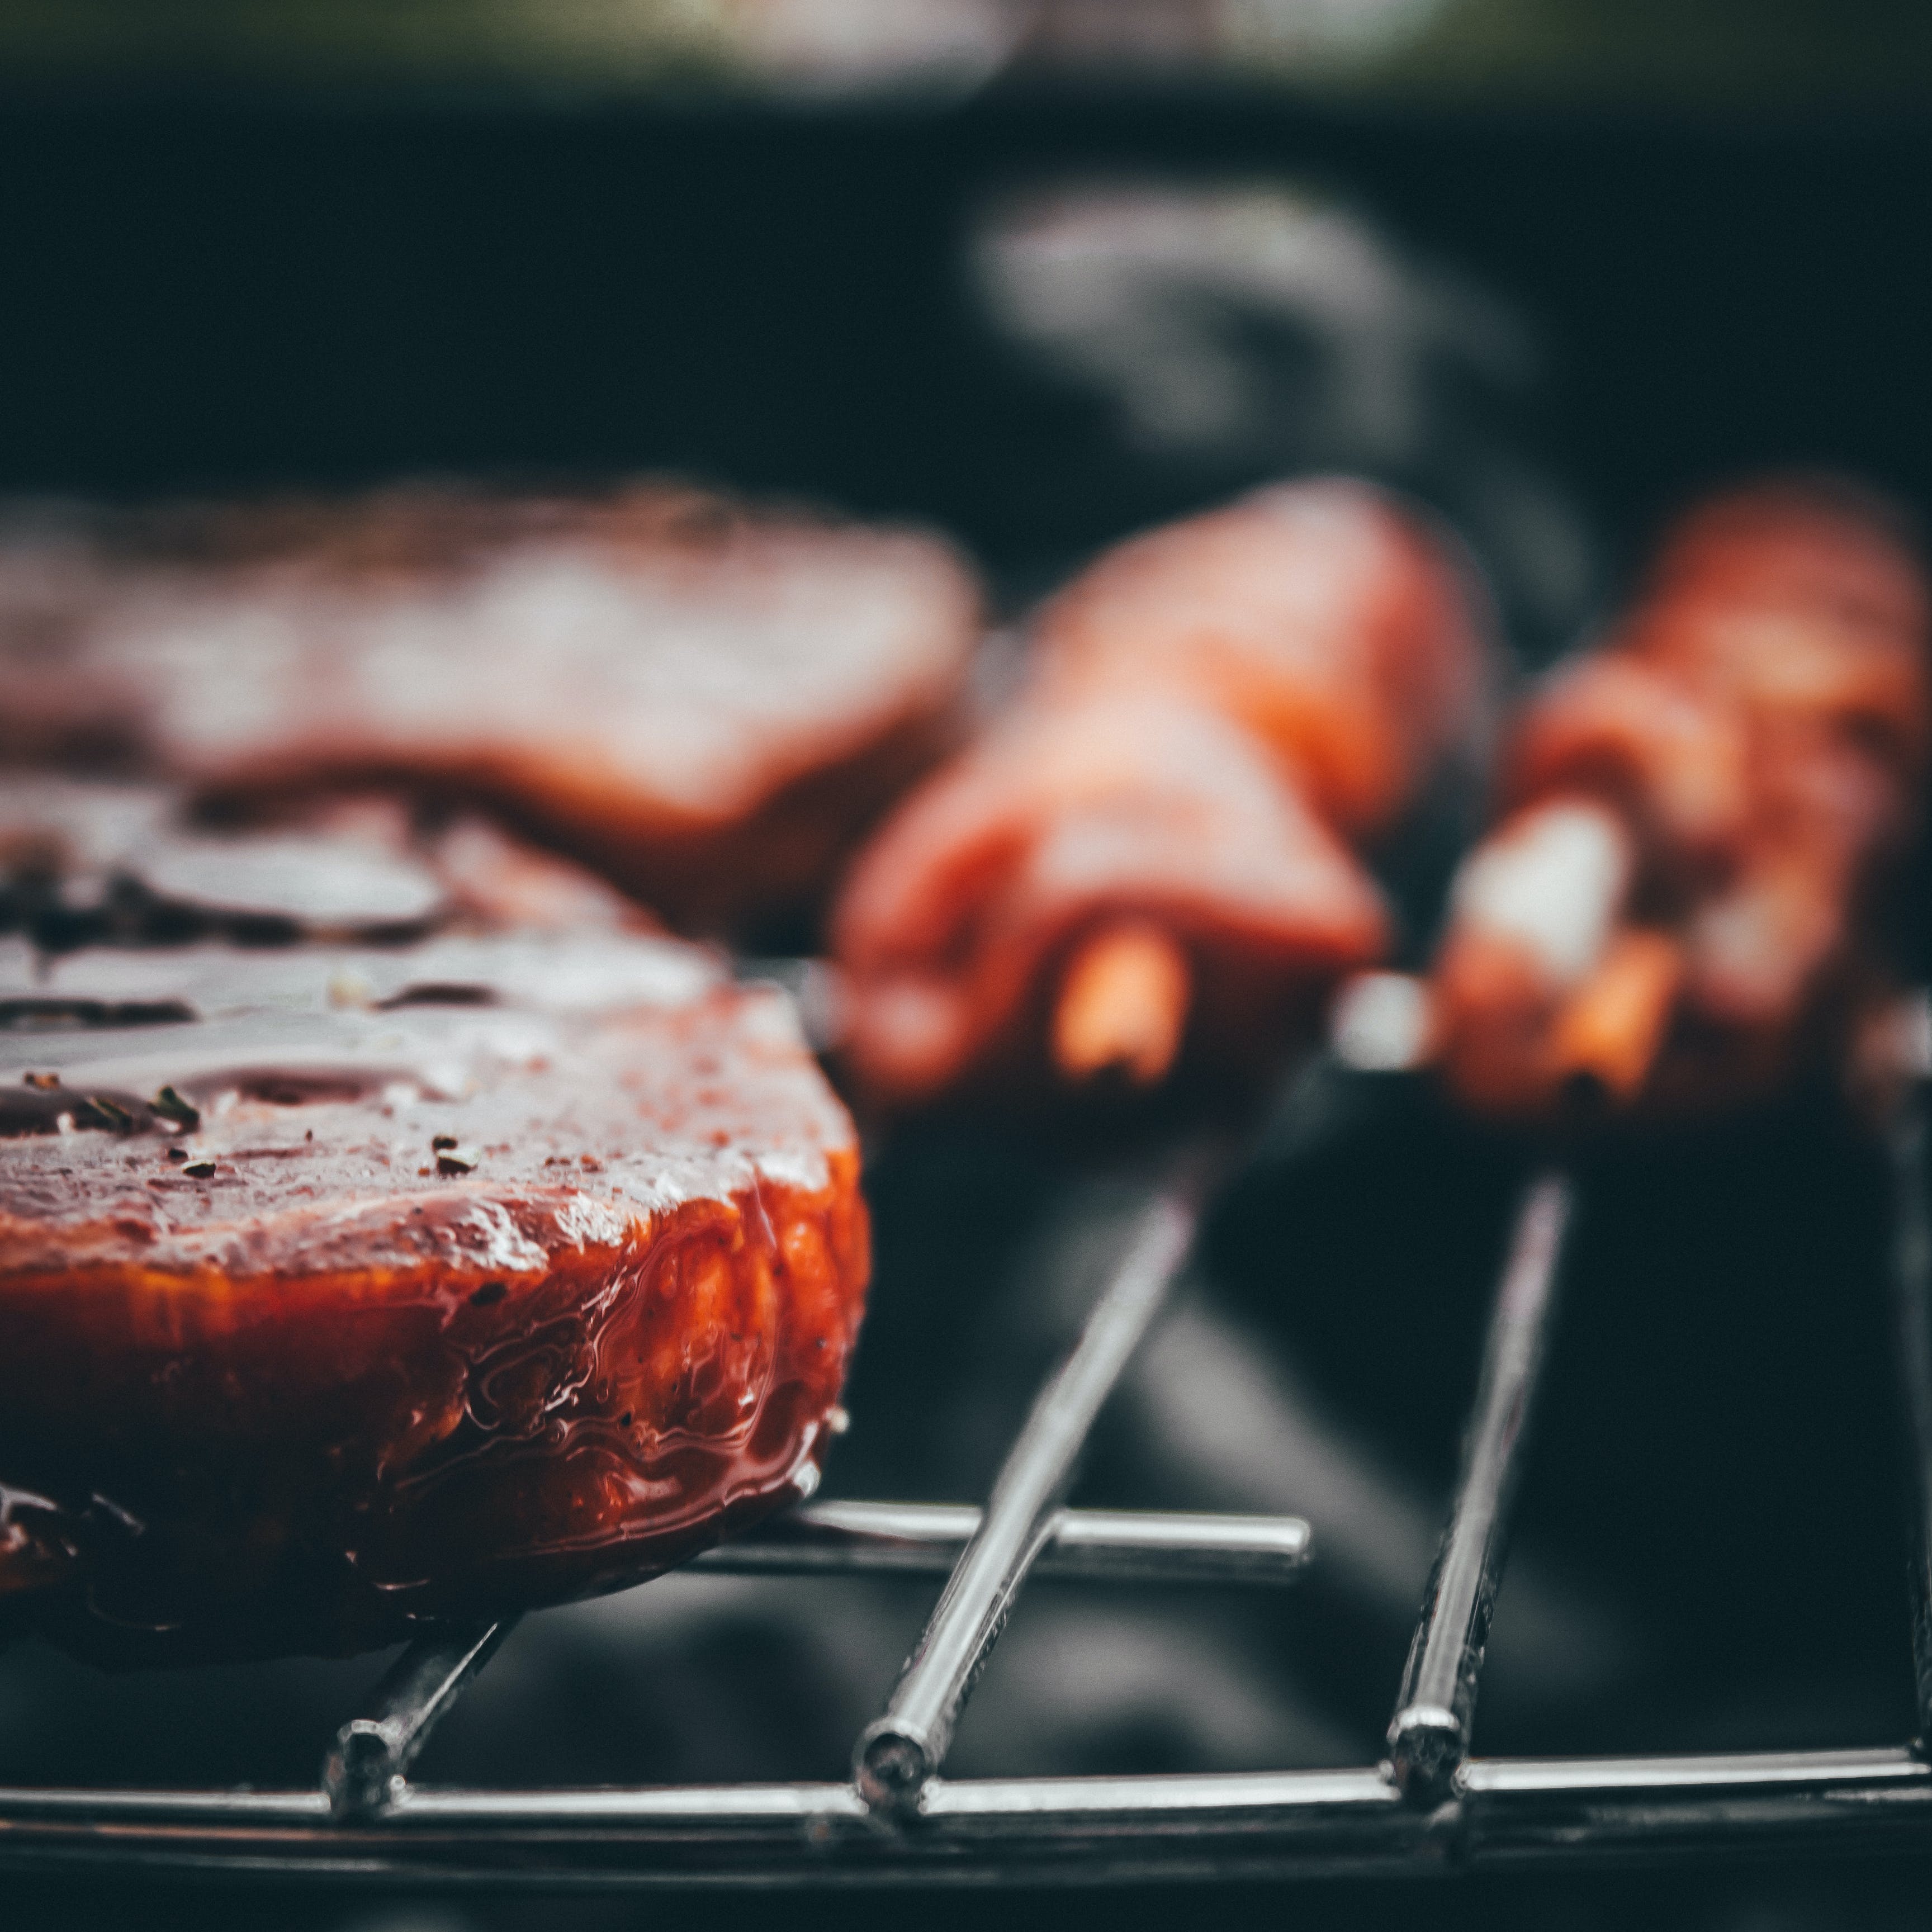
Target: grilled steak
<point>348,1286</point>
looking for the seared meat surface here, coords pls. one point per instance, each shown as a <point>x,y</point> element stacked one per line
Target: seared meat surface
<point>1676,908</point>
<point>1149,862</point>
<point>705,701</point>
<point>346,1285</point>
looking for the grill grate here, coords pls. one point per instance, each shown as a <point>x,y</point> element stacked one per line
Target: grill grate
<point>1428,1806</point>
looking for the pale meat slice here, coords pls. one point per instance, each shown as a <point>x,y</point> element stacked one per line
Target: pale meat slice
<point>84,862</point>
<point>705,700</point>
<point>346,1289</point>
<point>1677,909</point>
<point>1148,867</point>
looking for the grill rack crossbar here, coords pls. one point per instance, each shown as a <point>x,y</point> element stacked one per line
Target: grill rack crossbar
<point>1429,1806</point>
<point>1506,1812</point>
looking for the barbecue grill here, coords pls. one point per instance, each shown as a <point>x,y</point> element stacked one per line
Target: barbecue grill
<point>1493,196</point>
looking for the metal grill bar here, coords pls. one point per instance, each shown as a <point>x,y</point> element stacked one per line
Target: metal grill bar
<point>1111,1546</point>
<point>901,1749</point>
<point>1912,1285</point>
<point>364,1768</point>
<point>1429,1736</point>
<point>1505,1812</point>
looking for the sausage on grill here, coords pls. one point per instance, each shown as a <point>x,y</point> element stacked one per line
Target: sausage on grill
<point>1150,861</point>
<point>1677,907</point>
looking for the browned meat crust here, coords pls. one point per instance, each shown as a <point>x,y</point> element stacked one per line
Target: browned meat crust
<point>344,1288</point>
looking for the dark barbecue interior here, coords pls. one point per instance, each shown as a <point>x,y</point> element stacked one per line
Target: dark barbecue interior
<point>217,290</point>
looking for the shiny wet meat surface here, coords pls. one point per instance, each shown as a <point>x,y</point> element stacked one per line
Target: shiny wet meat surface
<point>348,1287</point>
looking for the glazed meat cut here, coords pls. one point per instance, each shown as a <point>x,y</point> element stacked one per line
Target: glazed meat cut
<point>343,1288</point>
<point>1151,862</point>
<point>704,701</point>
<point>1677,908</point>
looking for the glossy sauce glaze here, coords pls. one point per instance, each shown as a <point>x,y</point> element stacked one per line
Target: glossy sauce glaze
<point>400,1284</point>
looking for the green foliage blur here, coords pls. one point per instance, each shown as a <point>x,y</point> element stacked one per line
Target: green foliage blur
<point>1720,56</point>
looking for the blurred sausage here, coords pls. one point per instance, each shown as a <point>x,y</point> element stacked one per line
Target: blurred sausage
<point>1677,906</point>
<point>1222,710</point>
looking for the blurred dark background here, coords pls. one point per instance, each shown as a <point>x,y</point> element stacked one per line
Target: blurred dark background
<point>205,290</point>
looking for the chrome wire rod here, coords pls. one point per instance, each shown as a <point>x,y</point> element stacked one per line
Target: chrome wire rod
<point>364,1771</point>
<point>1103,1546</point>
<point>1510,1813</point>
<point>1429,1736</point>
<point>371,1753</point>
<point>901,1750</point>
<point>1912,1292</point>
